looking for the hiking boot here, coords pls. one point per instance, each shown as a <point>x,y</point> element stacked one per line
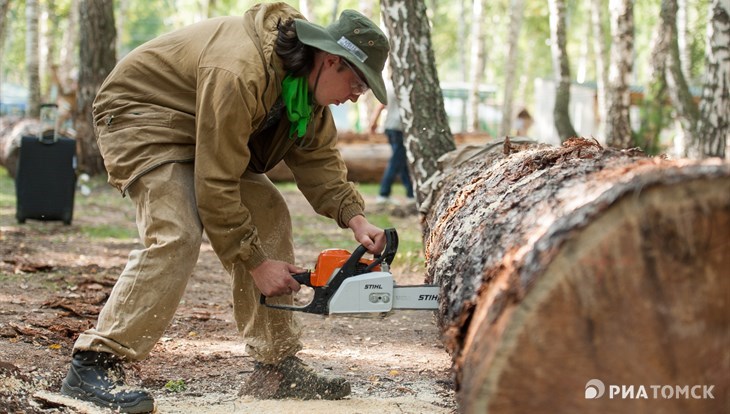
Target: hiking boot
<point>292,378</point>
<point>98,378</point>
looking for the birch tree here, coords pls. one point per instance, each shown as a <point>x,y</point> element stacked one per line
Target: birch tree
<point>618,97</point>
<point>714,123</point>
<point>415,79</point>
<point>599,49</point>
<point>678,89</point>
<point>516,11</point>
<point>561,70</point>
<point>476,64</point>
<point>653,106</point>
<point>32,59</point>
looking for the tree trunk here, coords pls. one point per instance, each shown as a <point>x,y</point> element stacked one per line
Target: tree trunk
<point>561,71</point>
<point>678,89</point>
<point>415,80</point>
<point>32,59</point>
<point>97,56</point>
<point>4,5</point>
<point>561,265</point>
<point>599,49</point>
<point>516,12</point>
<point>477,63</point>
<point>714,125</point>
<point>654,102</point>
<point>618,97</point>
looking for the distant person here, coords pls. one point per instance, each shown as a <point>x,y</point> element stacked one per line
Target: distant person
<point>398,163</point>
<point>188,124</point>
<point>523,123</point>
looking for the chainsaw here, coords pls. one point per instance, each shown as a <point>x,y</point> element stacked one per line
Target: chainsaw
<point>345,282</point>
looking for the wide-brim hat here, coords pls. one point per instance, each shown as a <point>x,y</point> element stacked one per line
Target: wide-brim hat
<point>353,37</point>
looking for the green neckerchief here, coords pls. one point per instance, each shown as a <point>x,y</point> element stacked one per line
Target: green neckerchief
<point>295,94</point>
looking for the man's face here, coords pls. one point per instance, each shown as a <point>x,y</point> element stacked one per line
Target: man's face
<point>339,82</point>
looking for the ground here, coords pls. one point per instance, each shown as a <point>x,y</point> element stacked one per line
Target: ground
<point>55,278</point>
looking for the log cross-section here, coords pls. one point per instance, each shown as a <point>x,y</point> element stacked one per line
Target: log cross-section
<point>562,265</point>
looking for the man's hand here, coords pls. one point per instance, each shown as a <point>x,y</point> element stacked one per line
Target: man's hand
<point>370,236</point>
<point>273,278</point>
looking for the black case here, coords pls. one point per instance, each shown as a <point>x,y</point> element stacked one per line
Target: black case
<point>45,181</point>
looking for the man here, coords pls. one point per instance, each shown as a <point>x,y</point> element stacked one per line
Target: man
<point>187,125</point>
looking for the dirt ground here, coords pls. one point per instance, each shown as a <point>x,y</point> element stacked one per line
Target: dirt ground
<point>54,279</point>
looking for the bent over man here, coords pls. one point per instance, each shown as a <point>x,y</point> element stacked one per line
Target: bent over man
<point>188,124</point>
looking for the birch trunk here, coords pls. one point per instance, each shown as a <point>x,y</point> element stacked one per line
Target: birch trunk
<point>599,48</point>
<point>477,64</point>
<point>561,70</point>
<point>714,125</point>
<point>618,98</point>
<point>426,128</point>
<point>516,12</point>
<point>32,59</point>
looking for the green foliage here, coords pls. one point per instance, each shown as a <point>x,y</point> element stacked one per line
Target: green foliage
<point>176,386</point>
<point>7,190</point>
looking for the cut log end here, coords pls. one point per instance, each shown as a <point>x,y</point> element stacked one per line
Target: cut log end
<point>640,296</point>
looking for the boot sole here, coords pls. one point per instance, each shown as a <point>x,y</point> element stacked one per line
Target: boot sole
<point>134,407</point>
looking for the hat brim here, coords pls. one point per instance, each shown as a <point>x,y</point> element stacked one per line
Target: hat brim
<point>316,36</point>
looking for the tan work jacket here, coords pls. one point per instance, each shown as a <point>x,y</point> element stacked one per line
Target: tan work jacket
<point>199,94</point>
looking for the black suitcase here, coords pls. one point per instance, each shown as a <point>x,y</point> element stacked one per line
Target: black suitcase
<point>45,181</point>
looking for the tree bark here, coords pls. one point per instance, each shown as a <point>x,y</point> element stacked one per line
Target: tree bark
<point>426,128</point>
<point>599,49</point>
<point>618,97</point>
<point>678,89</point>
<point>561,71</point>
<point>477,64</point>
<point>516,12</point>
<point>32,59</point>
<point>97,56</point>
<point>559,265</point>
<point>654,102</point>
<point>713,127</point>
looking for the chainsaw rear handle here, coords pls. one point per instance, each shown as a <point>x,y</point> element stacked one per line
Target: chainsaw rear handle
<point>322,295</point>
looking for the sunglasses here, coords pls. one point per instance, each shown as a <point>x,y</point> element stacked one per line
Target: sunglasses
<point>359,86</point>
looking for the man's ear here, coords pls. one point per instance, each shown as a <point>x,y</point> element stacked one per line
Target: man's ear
<point>332,60</point>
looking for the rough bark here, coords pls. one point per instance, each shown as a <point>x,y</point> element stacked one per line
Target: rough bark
<point>426,128</point>
<point>559,265</point>
<point>713,127</point>
<point>561,71</point>
<point>97,56</point>
<point>618,97</point>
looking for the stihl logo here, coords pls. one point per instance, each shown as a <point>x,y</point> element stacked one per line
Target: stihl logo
<point>373,287</point>
<point>428,297</point>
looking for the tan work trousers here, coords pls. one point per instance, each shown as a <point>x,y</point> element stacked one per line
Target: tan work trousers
<point>149,290</point>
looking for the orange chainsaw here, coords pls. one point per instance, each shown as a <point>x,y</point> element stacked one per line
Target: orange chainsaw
<point>345,282</point>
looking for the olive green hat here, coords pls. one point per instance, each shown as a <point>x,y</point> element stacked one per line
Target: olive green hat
<point>355,38</point>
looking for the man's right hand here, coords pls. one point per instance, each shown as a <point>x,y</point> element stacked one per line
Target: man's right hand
<point>273,278</point>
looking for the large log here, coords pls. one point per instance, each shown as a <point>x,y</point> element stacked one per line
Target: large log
<point>561,265</point>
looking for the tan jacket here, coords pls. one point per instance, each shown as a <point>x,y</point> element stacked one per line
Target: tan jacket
<point>199,94</point>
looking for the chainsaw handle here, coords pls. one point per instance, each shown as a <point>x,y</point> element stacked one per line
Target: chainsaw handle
<point>304,278</point>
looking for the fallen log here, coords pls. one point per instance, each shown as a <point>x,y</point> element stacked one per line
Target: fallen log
<point>571,272</point>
